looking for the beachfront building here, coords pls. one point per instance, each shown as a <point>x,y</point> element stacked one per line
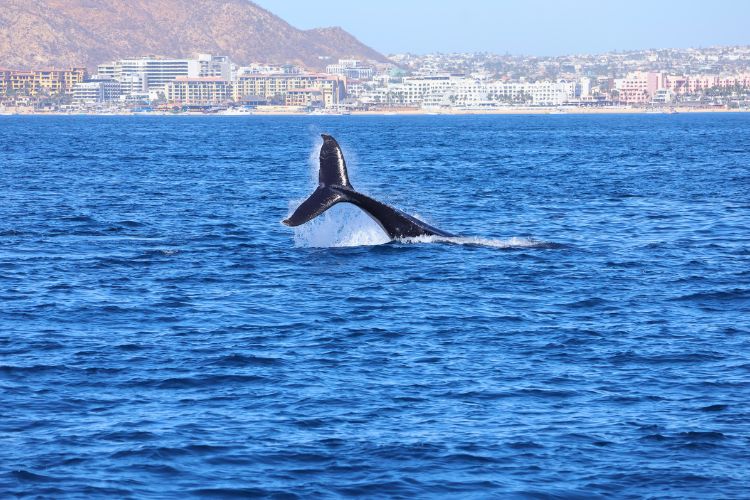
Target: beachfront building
<point>309,97</point>
<point>542,93</point>
<point>741,80</point>
<point>662,96</point>
<point>277,86</point>
<point>200,91</point>
<point>40,81</point>
<point>134,84</point>
<point>459,91</point>
<point>356,89</point>
<point>463,92</point>
<point>145,74</point>
<point>96,91</point>
<point>158,72</point>
<point>352,69</point>
<point>693,84</point>
<point>638,87</point>
<point>583,88</point>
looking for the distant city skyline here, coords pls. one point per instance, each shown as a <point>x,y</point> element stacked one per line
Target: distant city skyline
<point>533,27</point>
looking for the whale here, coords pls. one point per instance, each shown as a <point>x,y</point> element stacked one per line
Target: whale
<point>334,187</point>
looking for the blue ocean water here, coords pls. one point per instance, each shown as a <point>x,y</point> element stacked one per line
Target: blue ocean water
<point>163,335</point>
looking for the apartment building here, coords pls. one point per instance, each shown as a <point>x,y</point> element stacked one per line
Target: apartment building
<point>310,97</point>
<point>217,67</point>
<point>445,90</point>
<point>133,85</point>
<point>691,84</point>
<point>268,69</point>
<point>352,69</point>
<point>198,90</point>
<point>145,74</point>
<point>152,73</point>
<point>332,87</point>
<point>638,87</point>
<point>40,81</point>
<point>96,91</point>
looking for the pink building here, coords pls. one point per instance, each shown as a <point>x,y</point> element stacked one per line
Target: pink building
<point>638,87</point>
<point>700,83</point>
<point>690,84</point>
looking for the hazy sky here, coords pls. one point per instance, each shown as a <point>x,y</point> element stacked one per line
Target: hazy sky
<point>534,27</point>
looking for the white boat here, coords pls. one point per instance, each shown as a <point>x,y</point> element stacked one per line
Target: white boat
<point>242,111</point>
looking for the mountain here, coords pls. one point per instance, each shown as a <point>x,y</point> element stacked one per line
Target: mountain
<point>64,33</point>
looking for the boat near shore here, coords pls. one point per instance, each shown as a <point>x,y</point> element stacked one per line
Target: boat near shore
<point>238,111</point>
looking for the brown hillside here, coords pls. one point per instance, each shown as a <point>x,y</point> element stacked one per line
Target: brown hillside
<point>62,33</point>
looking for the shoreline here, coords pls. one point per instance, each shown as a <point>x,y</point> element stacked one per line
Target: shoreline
<point>405,112</point>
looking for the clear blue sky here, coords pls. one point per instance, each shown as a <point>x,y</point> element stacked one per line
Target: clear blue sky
<point>534,27</point>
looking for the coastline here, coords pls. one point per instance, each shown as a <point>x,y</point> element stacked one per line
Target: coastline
<point>403,112</point>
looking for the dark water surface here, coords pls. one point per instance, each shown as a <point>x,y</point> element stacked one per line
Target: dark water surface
<point>163,335</point>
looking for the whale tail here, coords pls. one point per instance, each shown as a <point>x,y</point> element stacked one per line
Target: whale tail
<point>332,179</point>
<point>334,187</point>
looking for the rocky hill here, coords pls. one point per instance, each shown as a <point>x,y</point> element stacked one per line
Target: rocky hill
<point>63,33</point>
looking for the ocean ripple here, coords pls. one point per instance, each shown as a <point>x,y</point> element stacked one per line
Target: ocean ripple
<point>163,335</point>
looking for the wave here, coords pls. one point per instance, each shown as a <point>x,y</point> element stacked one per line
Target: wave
<point>717,296</point>
<point>504,243</point>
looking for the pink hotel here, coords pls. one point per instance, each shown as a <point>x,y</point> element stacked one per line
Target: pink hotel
<point>640,87</point>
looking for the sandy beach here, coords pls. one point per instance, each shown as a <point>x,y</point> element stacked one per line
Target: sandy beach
<point>280,111</point>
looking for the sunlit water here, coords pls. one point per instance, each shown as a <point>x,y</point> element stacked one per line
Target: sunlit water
<point>163,335</point>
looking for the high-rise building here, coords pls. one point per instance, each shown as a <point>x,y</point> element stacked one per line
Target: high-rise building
<point>151,73</point>
<point>144,75</point>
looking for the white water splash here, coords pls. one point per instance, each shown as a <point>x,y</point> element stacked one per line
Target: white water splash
<point>347,226</point>
<point>341,226</point>
<point>507,243</point>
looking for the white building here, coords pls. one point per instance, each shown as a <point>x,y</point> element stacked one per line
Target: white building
<point>584,87</point>
<point>106,71</point>
<point>451,91</point>
<point>205,90</point>
<point>158,72</point>
<point>268,69</point>
<point>133,84</point>
<point>216,67</point>
<point>351,68</point>
<point>143,75</point>
<point>662,96</point>
<point>96,91</point>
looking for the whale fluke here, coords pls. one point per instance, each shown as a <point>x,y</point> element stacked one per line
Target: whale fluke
<point>332,172</point>
<point>321,200</point>
<point>334,187</point>
<point>332,164</point>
